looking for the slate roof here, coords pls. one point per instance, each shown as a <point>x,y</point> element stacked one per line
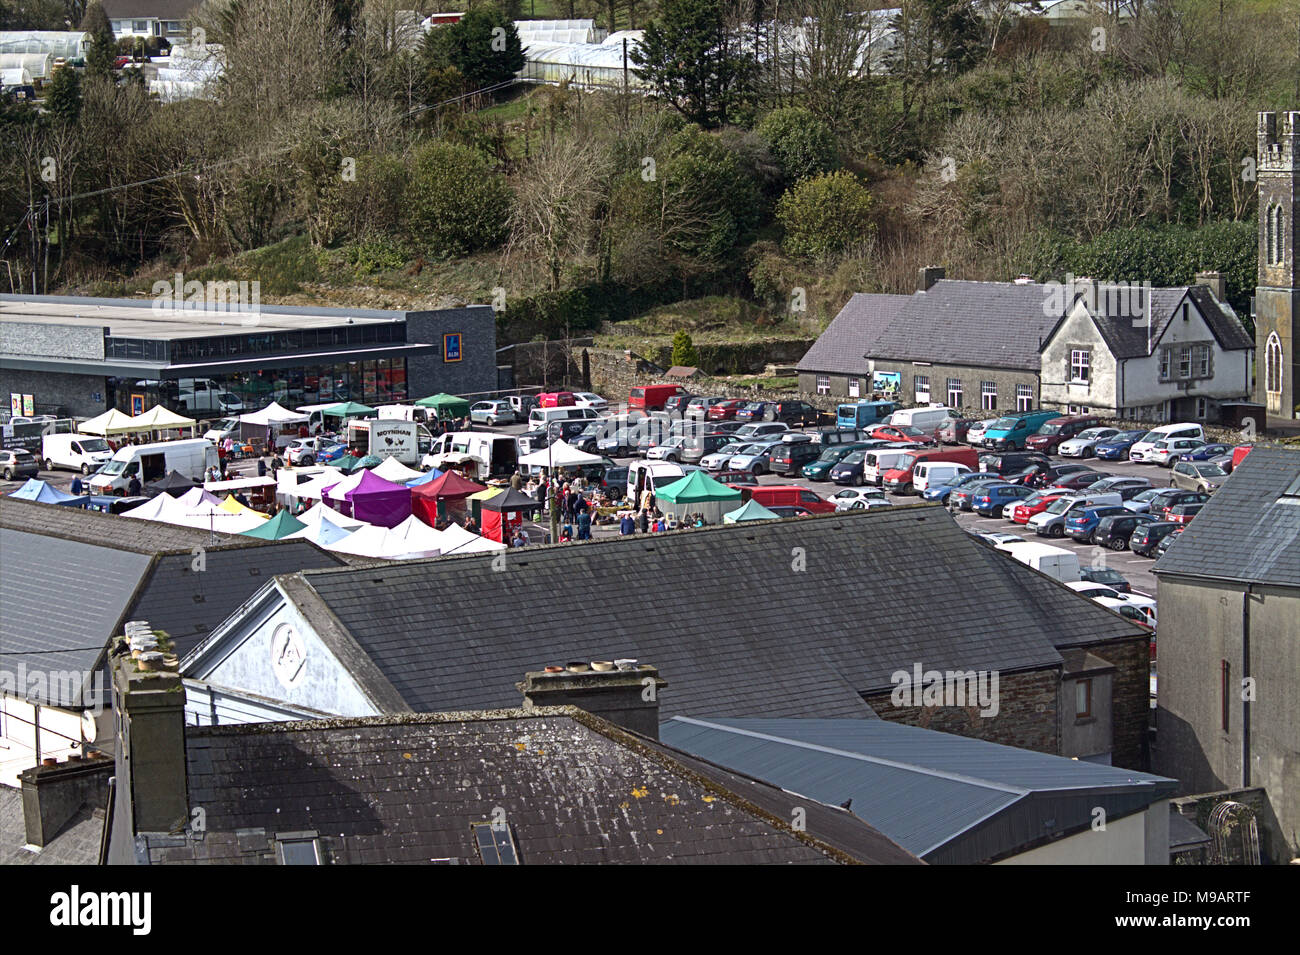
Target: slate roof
<point>1248,531</point>
<point>77,843</point>
<point>982,324</point>
<point>721,611</point>
<point>60,601</point>
<point>111,530</point>
<point>842,348</point>
<point>1126,341</point>
<point>145,9</point>
<point>947,798</point>
<point>570,787</point>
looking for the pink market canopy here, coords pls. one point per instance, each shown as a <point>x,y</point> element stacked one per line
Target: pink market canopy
<point>380,502</point>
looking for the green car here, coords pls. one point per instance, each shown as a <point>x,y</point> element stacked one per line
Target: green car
<point>820,470</point>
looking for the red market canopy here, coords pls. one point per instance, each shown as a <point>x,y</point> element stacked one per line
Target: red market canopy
<point>450,487</point>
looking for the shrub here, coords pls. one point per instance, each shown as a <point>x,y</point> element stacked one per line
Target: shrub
<point>825,215</point>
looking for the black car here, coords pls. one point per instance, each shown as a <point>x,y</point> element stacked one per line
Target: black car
<point>1011,462</point>
<point>788,458</point>
<point>1167,541</point>
<point>725,427</point>
<point>1114,532</point>
<point>733,478</point>
<point>1146,537</point>
<point>793,413</point>
<point>1170,499</point>
<point>1104,575</point>
<point>676,404</point>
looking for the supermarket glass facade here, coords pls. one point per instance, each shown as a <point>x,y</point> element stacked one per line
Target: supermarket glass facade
<point>369,381</point>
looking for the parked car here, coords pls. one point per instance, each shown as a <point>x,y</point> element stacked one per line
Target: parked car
<point>992,499</point>
<point>1052,521</point>
<point>717,460</point>
<point>755,458</point>
<point>790,456</point>
<point>1169,434</point>
<point>1084,444</point>
<point>1166,453</point>
<point>779,495</point>
<point>301,452</point>
<point>1146,537</point>
<point>329,451</point>
<point>903,434</point>
<point>1140,503</point>
<point>492,413</point>
<point>858,498</point>
<point>1173,497</point>
<point>1007,462</point>
<point>1182,513</point>
<point>963,498</point>
<point>942,492</point>
<point>1106,577</point>
<point>736,479</point>
<point>676,404</point>
<point>586,399</point>
<point>1081,524</point>
<point>1197,476</point>
<point>1115,530</point>
<point>1011,432</point>
<point>1125,487</point>
<point>16,463</point>
<point>1116,447</point>
<point>621,443</point>
<point>954,430</point>
<point>995,537</point>
<point>1139,615</point>
<point>820,469</point>
<point>1035,504</point>
<point>614,479</point>
<point>698,407</point>
<point>1205,452</point>
<point>725,410</point>
<point>848,470</point>
<point>1238,455</point>
<point>761,430</point>
<point>726,427</point>
<point>1168,541</point>
<point>752,411</point>
<point>1050,475</point>
<point>1078,480</point>
<point>671,450</point>
<point>1050,436</point>
<point>695,450</point>
<point>975,433</point>
<point>654,397</point>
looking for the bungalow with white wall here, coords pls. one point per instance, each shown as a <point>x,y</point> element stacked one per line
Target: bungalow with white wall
<point>1165,354</point>
<point>162,18</point>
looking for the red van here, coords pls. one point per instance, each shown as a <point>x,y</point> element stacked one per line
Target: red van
<point>780,495</point>
<point>652,397</point>
<point>555,399</point>
<point>899,479</point>
<point>1059,430</point>
<point>1239,454</point>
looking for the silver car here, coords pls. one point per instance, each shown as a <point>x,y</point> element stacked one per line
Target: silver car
<point>755,458</point>
<point>492,413</point>
<point>1084,444</point>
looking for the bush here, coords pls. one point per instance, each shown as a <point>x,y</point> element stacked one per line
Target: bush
<point>371,256</point>
<point>684,350</point>
<point>825,215</point>
<point>802,144</point>
<point>456,202</point>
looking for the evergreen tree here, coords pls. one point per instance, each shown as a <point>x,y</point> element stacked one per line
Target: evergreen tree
<point>684,352</point>
<point>63,101</point>
<point>103,46</point>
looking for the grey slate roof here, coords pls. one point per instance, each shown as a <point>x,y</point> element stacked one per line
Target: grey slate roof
<point>1248,531</point>
<point>111,530</point>
<point>984,324</point>
<point>60,601</point>
<point>144,9</point>
<point>842,348</point>
<point>947,798</point>
<point>573,789</point>
<point>77,843</point>
<point>720,611</point>
<point>1127,341</point>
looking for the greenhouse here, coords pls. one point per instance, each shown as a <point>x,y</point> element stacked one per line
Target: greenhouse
<point>14,76</point>
<point>38,66</point>
<point>57,43</point>
<point>588,65</point>
<point>558,31</point>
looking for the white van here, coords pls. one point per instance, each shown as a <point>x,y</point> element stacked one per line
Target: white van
<point>876,463</point>
<point>406,413</point>
<point>493,455</point>
<point>80,452</point>
<point>151,461</point>
<point>541,417</point>
<point>1141,451</point>
<point>220,430</point>
<point>1051,522</point>
<point>927,419</point>
<point>1055,562</point>
<point>936,474</point>
<point>659,473</point>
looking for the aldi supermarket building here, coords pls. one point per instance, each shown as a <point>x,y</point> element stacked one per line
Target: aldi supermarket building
<point>76,356</point>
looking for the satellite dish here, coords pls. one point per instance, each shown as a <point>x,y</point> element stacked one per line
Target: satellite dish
<point>88,726</point>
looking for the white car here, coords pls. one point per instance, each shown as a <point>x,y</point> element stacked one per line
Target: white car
<point>585,399</point>
<point>225,428</point>
<point>1142,613</point>
<point>670,450</point>
<point>719,458</point>
<point>1167,452</point>
<point>860,498</point>
<point>760,430</point>
<point>302,451</point>
<point>1084,444</point>
<point>975,436</point>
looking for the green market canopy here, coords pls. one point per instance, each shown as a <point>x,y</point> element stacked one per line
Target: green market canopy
<point>447,406</point>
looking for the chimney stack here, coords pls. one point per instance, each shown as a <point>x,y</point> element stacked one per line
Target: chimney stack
<point>927,276</point>
<point>626,697</point>
<point>54,794</point>
<point>1215,282</point>
<point>149,710</point>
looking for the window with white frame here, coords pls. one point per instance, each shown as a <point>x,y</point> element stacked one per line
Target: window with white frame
<point>921,385</point>
<point>1273,365</point>
<point>855,387</point>
<point>1185,362</point>
<point>1080,364</point>
<point>823,385</point>
<point>1202,361</point>
<point>1164,364</point>
<point>989,395</point>
<point>954,393</point>
<point>1201,409</point>
<point>139,26</point>
<point>1075,409</point>
<point>1024,398</point>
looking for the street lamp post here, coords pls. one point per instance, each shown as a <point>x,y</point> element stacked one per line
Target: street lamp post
<point>550,484</point>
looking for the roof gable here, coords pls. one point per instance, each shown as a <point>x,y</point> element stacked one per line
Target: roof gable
<point>843,346</point>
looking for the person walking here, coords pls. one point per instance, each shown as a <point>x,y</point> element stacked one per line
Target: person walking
<point>643,522</point>
<point>133,487</point>
<point>627,525</point>
<point>261,467</point>
<point>76,484</point>
<point>584,525</point>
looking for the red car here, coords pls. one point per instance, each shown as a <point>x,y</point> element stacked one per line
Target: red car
<point>725,410</point>
<point>773,495</point>
<point>1080,480</point>
<point>902,432</point>
<point>1030,506</point>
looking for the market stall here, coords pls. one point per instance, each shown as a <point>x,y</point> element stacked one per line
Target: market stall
<point>443,497</point>
<point>697,493</point>
<point>323,532</point>
<point>43,493</point>
<point>277,528</point>
<point>377,501</point>
<point>753,511</point>
<point>504,513</point>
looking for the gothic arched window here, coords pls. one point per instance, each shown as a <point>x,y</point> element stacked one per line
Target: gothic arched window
<point>1273,365</point>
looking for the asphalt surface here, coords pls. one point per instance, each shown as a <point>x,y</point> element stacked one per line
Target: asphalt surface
<point>1136,569</point>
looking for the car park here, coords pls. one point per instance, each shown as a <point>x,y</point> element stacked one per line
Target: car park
<point>1116,447</point>
<point>726,427</point>
<point>1107,577</point>
<point>1084,444</point>
<point>1170,435</point>
<point>1080,525</point>
<point>1115,530</point>
<point>717,460</point>
<point>1146,537</point>
<point>900,478</point>
<point>1052,433</point>
<point>1051,522</point>
<point>492,413</point>
<point>1140,503</point>
<point>858,498</point>
<point>993,499</point>
<point>16,463</point>
<point>826,437</point>
<point>1197,476</point>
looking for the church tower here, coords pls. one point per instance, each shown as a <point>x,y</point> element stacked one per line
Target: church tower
<point>1277,295</point>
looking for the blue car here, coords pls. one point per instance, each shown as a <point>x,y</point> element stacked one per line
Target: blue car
<point>941,492</point>
<point>1082,524</point>
<point>991,499</point>
<point>1205,452</point>
<point>1116,448</point>
<point>330,452</point>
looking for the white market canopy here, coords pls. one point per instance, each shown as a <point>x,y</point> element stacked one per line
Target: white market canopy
<point>321,511</point>
<point>111,421</point>
<point>420,537</point>
<point>315,488</point>
<point>383,542</point>
<point>238,484</point>
<point>561,454</point>
<point>159,418</point>
<point>391,469</point>
<point>457,540</point>
<point>272,414</point>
